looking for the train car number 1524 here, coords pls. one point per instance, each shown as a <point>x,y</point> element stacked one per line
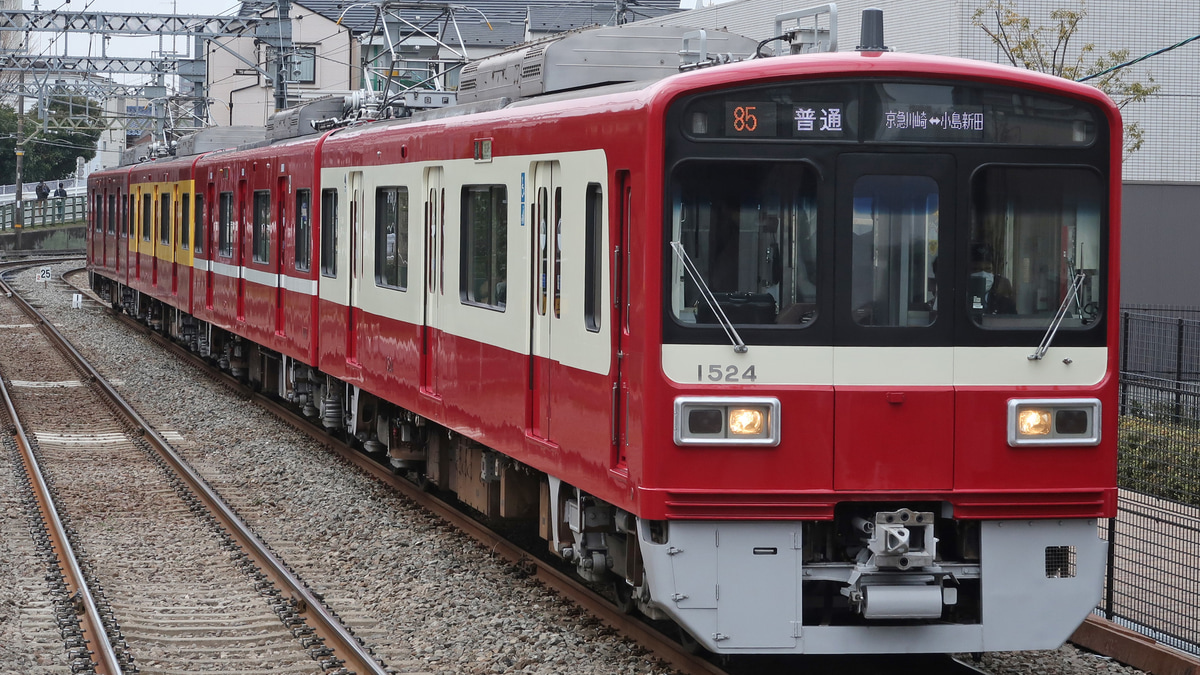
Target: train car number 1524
<point>720,373</point>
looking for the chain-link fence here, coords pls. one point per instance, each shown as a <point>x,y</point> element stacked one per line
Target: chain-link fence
<point>1153,580</point>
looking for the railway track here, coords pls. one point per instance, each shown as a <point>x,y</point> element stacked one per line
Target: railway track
<point>151,573</point>
<point>662,647</point>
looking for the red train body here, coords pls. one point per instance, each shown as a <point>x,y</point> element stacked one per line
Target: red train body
<point>842,443</point>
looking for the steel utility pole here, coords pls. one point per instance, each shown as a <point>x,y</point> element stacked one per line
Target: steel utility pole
<point>19,205</point>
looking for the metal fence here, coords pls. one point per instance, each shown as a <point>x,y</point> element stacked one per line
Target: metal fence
<point>50,212</point>
<point>1153,582</point>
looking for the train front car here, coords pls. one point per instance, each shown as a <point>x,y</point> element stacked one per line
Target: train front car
<point>886,304</point>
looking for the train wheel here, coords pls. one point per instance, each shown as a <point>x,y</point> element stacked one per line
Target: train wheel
<point>623,593</point>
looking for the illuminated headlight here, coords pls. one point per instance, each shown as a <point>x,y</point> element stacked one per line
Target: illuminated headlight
<point>1060,421</point>
<point>711,420</point>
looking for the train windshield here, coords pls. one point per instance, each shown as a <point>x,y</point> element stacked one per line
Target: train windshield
<point>1034,232</point>
<point>751,230</point>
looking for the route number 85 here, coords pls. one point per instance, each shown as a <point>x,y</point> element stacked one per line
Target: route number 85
<point>744,118</point>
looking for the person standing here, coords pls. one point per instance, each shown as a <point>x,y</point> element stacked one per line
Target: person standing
<point>42,191</point>
<point>60,200</point>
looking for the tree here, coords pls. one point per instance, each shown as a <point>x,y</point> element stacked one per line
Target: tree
<point>1048,50</point>
<point>50,154</point>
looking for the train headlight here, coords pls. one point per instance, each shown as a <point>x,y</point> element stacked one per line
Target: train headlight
<point>1065,421</point>
<point>713,420</point>
<point>746,421</point>
<point>1033,422</point>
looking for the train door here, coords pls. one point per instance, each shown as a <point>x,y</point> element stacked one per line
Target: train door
<point>155,234</point>
<point>240,241</point>
<point>620,322</point>
<point>281,204</point>
<point>545,259</point>
<point>355,260</point>
<point>176,216</point>
<point>211,232</point>
<point>434,226</point>
<point>888,211</point>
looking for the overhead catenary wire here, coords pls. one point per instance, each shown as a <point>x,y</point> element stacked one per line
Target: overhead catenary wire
<point>1139,59</point>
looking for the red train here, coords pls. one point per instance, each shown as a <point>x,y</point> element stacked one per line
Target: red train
<point>809,354</point>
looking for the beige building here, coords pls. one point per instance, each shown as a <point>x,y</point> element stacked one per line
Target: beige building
<point>324,62</point>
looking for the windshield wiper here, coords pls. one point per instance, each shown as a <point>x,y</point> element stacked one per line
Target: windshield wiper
<point>1072,294</point>
<point>709,298</point>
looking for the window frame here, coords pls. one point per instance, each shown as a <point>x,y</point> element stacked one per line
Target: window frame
<point>494,253</point>
<point>401,232</point>
<point>329,226</point>
<point>261,227</point>
<point>225,220</point>
<point>302,260</point>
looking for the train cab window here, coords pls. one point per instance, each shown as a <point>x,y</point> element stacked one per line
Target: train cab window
<point>593,256</point>
<point>185,223</point>
<point>261,231</point>
<point>164,219</point>
<point>303,230</point>
<point>484,265</point>
<point>147,216</point>
<point>893,247</point>
<point>750,229</point>
<point>201,217</point>
<point>113,200</point>
<point>329,225</point>
<point>391,237</point>
<point>1033,233</point>
<point>225,225</point>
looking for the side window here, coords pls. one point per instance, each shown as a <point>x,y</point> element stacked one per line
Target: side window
<point>164,218</point>
<point>484,265</point>
<point>262,223</point>
<point>185,214</point>
<point>113,201</point>
<point>225,225</point>
<point>593,255</point>
<point>303,230</point>
<point>201,219</point>
<point>147,216</point>
<point>391,237</point>
<point>130,205</point>
<point>329,225</point>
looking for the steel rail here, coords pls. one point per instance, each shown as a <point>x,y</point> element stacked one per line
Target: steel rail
<point>337,637</point>
<point>662,646</point>
<point>91,624</point>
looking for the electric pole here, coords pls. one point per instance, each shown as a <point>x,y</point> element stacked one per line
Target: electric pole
<point>19,205</point>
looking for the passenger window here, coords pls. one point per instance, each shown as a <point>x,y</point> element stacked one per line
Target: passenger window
<point>225,225</point>
<point>329,225</point>
<point>303,230</point>
<point>391,237</point>
<point>593,256</point>
<point>113,202</point>
<point>894,251</point>
<point>201,218</point>
<point>164,219</point>
<point>261,234</point>
<point>185,215</point>
<point>147,217</point>
<point>484,278</point>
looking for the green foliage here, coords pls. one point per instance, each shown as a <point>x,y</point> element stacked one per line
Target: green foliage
<point>75,125</point>
<point>1160,457</point>
<point>1048,49</point>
